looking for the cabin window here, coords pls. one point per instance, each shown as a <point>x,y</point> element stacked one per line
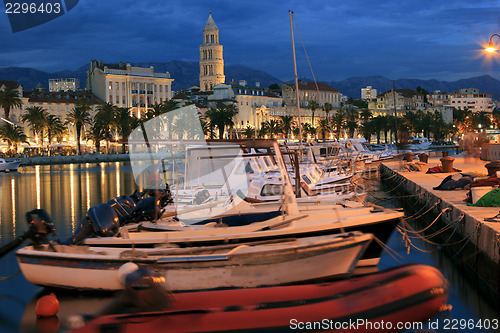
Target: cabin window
<point>271,189</point>
<point>306,179</point>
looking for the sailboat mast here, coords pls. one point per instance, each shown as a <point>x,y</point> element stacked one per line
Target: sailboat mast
<point>296,82</point>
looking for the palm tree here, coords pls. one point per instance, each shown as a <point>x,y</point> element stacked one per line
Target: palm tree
<point>328,108</point>
<point>313,105</point>
<point>124,124</point>
<point>249,131</point>
<point>365,114</point>
<point>308,129</point>
<point>376,125</point>
<point>53,125</point>
<point>78,117</point>
<point>324,127</point>
<point>13,134</point>
<point>9,98</point>
<point>338,121</point>
<point>221,117</point>
<point>104,120</point>
<point>351,121</point>
<point>273,127</point>
<point>366,130</point>
<point>287,125</point>
<point>35,117</point>
<point>96,133</point>
<point>168,106</point>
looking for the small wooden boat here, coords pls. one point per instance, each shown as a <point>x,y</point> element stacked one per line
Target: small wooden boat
<point>409,294</point>
<point>241,265</point>
<point>314,220</point>
<point>9,166</point>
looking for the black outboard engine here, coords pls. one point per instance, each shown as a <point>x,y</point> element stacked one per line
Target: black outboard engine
<point>148,209</point>
<point>101,221</point>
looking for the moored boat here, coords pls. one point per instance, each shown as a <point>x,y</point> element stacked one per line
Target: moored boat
<point>408,294</point>
<point>231,265</point>
<point>9,165</point>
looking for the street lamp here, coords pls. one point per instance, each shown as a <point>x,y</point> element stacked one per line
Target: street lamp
<point>491,47</point>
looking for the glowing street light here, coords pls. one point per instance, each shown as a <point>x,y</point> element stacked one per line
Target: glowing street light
<point>491,47</point>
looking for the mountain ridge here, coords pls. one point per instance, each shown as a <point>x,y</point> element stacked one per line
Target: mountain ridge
<point>186,74</point>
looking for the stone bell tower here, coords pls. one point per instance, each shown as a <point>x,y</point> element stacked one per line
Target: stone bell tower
<point>211,60</point>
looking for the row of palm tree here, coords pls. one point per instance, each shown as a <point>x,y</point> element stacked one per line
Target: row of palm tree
<point>221,118</point>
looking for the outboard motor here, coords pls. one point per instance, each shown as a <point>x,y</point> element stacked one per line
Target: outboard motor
<point>101,221</point>
<point>123,205</point>
<point>147,209</point>
<point>40,227</point>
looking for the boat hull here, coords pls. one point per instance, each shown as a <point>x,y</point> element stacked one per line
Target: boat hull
<point>408,294</point>
<point>275,263</point>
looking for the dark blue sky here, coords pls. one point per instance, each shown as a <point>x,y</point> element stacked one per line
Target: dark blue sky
<point>397,38</point>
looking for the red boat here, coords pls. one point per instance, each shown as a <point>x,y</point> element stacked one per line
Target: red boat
<point>380,302</point>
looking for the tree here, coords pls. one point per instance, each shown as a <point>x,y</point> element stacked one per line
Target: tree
<point>124,124</point>
<point>104,121</point>
<point>249,132</point>
<point>35,117</point>
<point>13,134</point>
<point>168,106</point>
<point>53,126</point>
<point>328,108</point>
<point>9,98</point>
<point>96,133</point>
<point>365,114</point>
<point>377,125</point>
<point>287,124</point>
<point>273,127</point>
<point>324,127</point>
<point>79,116</point>
<point>222,117</point>
<point>274,86</point>
<point>338,121</point>
<point>351,121</point>
<point>313,105</point>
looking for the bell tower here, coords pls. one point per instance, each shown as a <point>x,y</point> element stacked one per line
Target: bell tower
<point>211,60</point>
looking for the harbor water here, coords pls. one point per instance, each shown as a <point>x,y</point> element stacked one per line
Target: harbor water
<point>66,192</point>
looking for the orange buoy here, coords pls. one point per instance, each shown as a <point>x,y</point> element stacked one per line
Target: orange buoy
<point>47,306</point>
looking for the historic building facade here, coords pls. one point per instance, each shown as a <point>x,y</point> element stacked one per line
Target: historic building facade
<point>211,58</point>
<point>124,85</point>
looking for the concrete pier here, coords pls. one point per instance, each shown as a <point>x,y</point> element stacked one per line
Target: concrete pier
<point>472,243</point>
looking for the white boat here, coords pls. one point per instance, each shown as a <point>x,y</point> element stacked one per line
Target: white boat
<point>416,144</point>
<point>312,220</point>
<point>232,265</point>
<point>9,166</point>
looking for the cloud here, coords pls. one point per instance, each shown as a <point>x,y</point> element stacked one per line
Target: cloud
<point>343,39</point>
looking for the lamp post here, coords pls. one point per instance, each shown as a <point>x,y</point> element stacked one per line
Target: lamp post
<point>491,47</point>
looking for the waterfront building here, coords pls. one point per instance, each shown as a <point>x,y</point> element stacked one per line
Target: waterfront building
<point>128,86</point>
<point>58,104</point>
<point>211,58</point>
<point>400,100</point>
<point>466,98</point>
<point>70,84</point>
<point>255,104</point>
<point>368,93</point>
<point>309,91</point>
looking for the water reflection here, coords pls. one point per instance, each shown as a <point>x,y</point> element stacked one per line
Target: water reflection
<point>66,192</point>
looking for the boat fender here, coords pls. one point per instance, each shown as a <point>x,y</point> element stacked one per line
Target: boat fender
<point>47,306</point>
<point>125,270</point>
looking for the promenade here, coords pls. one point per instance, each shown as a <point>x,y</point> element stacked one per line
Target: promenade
<point>87,158</point>
<point>461,229</point>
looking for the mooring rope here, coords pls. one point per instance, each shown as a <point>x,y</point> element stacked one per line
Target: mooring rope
<point>390,251</point>
<point>2,278</point>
